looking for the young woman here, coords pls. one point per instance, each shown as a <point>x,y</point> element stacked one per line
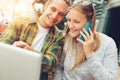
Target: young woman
<point>95,57</point>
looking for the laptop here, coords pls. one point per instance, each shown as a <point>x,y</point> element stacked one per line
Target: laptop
<point>19,64</point>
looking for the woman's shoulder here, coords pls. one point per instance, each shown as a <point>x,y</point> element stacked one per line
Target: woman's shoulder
<point>105,39</point>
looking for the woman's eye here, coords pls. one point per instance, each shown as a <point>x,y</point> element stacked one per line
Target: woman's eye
<point>77,21</point>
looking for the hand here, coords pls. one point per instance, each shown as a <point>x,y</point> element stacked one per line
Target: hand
<point>23,45</point>
<point>88,44</point>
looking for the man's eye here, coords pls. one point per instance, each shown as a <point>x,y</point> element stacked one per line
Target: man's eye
<point>53,9</point>
<point>61,14</point>
<point>68,20</point>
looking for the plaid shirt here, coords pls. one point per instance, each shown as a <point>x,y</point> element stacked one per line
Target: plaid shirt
<point>52,46</point>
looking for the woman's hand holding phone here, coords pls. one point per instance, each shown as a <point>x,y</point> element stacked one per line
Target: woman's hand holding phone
<point>87,26</point>
<point>87,40</point>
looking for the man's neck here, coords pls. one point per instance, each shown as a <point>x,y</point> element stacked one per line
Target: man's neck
<point>41,22</point>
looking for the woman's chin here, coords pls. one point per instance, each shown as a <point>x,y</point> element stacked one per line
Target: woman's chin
<point>73,36</point>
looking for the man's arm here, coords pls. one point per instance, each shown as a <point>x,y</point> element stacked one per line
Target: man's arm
<point>51,51</point>
<point>12,32</point>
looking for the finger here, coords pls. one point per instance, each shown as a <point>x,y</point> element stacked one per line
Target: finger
<point>15,43</point>
<point>24,45</point>
<point>84,36</point>
<point>91,33</point>
<point>86,32</point>
<point>28,48</point>
<point>81,41</point>
<point>19,44</point>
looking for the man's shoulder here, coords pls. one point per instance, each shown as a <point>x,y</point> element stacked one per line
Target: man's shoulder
<point>24,20</point>
<point>33,20</point>
<point>22,23</point>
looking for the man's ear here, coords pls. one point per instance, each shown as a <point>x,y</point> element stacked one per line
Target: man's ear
<point>46,5</point>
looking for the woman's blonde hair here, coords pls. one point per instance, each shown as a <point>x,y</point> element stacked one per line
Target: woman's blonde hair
<point>86,8</point>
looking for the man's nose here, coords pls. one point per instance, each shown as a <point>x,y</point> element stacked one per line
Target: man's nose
<point>70,24</point>
<point>55,15</point>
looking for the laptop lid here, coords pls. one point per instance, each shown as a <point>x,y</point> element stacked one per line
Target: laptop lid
<point>19,64</point>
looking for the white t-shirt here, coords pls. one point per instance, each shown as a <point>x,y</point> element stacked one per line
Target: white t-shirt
<point>40,37</point>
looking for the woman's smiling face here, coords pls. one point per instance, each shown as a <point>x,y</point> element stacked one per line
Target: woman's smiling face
<point>76,21</point>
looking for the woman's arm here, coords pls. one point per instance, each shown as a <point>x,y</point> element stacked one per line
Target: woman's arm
<point>108,68</point>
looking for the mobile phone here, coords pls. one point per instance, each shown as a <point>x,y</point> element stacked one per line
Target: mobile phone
<point>87,26</point>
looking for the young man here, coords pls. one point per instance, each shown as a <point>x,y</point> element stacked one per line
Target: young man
<point>41,36</point>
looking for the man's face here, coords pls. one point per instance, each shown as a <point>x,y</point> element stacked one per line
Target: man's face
<point>54,13</point>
